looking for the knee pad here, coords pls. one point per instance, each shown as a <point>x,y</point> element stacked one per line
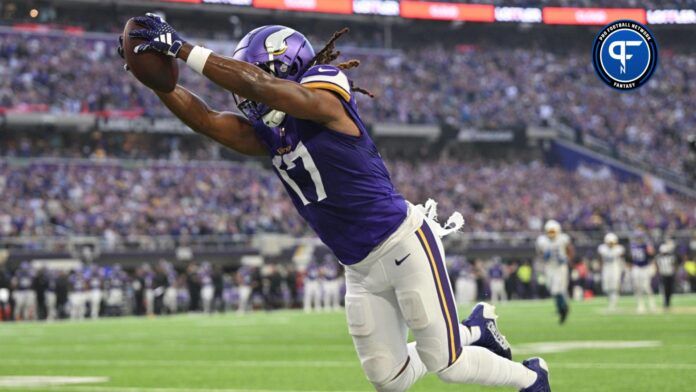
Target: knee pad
<point>376,360</point>
<point>413,309</point>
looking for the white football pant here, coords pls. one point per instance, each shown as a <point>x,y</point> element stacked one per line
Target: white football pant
<point>25,305</point>
<point>384,300</point>
<point>498,293</point>
<point>642,287</point>
<point>312,295</point>
<point>332,294</point>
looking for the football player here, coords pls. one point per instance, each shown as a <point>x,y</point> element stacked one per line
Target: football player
<point>331,284</point>
<point>667,262</point>
<point>94,297</point>
<point>300,111</point>
<point>556,250</point>
<point>77,296</point>
<point>496,278</point>
<point>312,287</point>
<point>642,271</point>
<point>24,293</point>
<point>611,253</point>
<point>245,281</point>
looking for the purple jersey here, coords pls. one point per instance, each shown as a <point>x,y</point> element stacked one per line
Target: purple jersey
<point>312,272</point>
<point>246,274</point>
<point>329,270</point>
<point>25,279</point>
<point>337,182</point>
<point>496,272</point>
<point>639,254</point>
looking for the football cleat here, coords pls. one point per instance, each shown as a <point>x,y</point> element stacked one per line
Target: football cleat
<point>483,317</point>
<point>538,366</point>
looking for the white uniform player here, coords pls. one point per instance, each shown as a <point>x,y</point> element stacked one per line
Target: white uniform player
<point>555,249</point>
<point>612,255</point>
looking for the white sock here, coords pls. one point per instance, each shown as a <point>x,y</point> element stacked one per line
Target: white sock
<point>469,336</point>
<point>476,365</point>
<point>414,371</point>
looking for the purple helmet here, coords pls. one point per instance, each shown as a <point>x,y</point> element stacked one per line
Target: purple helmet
<point>281,51</point>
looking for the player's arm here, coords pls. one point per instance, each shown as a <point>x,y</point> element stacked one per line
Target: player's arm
<point>253,83</point>
<point>229,129</point>
<point>246,80</point>
<point>226,128</point>
<point>570,251</point>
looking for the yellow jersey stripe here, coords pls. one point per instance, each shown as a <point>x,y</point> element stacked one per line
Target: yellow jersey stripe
<point>329,86</point>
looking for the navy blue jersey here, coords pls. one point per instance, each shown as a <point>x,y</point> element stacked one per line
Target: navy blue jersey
<point>246,275</point>
<point>25,279</point>
<point>329,270</point>
<point>337,182</point>
<point>639,255</point>
<point>312,272</point>
<point>496,272</point>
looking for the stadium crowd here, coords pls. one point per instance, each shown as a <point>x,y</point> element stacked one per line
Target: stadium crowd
<point>115,199</point>
<point>486,88</point>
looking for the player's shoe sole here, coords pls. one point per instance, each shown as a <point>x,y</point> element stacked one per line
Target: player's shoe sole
<point>484,318</point>
<point>538,366</point>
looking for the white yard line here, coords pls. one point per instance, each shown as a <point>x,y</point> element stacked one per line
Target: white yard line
<point>175,363</point>
<point>623,366</point>
<point>160,389</point>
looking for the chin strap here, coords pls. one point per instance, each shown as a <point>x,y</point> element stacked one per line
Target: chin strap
<point>453,224</point>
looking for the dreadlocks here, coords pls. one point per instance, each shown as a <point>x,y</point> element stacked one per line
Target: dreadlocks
<point>329,53</point>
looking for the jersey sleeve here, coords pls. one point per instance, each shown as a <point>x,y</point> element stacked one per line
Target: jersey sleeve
<point>328,77</point>
<point>566,239</point>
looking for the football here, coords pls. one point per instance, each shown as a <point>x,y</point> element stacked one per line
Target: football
<point>156,71</point>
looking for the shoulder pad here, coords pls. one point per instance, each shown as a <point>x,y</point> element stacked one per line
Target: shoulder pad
<point>327,77</point>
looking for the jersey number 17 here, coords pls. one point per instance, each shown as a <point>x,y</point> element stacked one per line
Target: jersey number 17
<point>300,152</point>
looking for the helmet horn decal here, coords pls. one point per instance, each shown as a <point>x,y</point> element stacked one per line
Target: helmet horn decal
<point>275,43</point>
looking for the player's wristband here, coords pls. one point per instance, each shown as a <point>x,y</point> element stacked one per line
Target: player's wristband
<point>197,58</point>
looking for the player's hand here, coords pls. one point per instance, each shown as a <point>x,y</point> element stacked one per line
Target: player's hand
<point>120,51</point>
<point>160,36</point>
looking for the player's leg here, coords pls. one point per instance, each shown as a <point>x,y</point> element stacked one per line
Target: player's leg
<point>337,295</point>
<point>427,304</point>
<point>559,291</point>
<point>317,296</point>
<point>379,332</point>
<point>95,306</point>
<point>639,288</point>
<point>244,292</point>
<point>50,305</point>
<point>649,293</point>
<point>31,311</point>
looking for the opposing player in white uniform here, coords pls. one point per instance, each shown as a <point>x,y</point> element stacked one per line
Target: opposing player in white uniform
<point>611,254</point>
<point>556,250</point>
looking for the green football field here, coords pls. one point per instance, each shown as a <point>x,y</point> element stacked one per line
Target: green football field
<point>291,351</point>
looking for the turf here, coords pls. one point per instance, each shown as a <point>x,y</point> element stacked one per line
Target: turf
<point>291,351</point>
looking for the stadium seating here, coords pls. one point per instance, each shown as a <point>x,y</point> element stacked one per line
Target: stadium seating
<point>485,88</point>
